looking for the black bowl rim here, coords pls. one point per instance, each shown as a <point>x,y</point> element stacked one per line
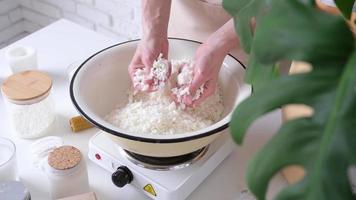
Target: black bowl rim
<point>136,138</point>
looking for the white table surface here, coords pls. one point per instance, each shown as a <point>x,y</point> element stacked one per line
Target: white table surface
<point>63,43</point>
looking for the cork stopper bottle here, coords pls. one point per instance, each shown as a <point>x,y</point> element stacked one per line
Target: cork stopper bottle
<point>66,172</point>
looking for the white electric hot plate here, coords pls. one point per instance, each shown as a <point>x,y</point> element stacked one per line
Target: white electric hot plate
<point>161,182</point>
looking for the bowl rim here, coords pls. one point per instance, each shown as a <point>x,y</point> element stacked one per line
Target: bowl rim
<point>132,137</point>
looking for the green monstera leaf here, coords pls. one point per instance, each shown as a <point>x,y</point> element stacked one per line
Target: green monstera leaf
<point>324,144</point>
<point>345,6</point>
<point>245,13</point>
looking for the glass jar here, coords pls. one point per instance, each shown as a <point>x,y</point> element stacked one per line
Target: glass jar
<point>29,103</point>
<point>66,172</point>
<point>41,148</point>
<point>8,167</point>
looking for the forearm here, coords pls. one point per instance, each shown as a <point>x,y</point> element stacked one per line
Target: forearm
<point>225,38</point>
<point>155,17</point>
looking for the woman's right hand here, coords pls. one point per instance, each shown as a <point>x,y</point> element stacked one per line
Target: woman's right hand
<point>146,53</point>
<point>155,17</point>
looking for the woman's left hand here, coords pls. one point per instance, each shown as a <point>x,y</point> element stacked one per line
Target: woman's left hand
<point>207,64</point>
<point>208,60</point>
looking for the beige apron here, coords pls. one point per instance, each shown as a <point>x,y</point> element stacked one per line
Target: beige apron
<point>198,19</point>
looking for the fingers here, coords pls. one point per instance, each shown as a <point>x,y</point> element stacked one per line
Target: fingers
<point>164,49</point>
<point>147,61</point>
<point>209,89</point>
<point>198,80</point>
<point>174,98</point>
<point>134,65</point>
<point>188,100</point>
<point>145,55</point>
<point>150,88</point>
<point>141,60</point>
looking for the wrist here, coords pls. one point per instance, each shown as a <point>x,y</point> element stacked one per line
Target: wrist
<point>218,47</point>
<point>154,45</point>
<point>155,18</point>
<point>156,40</point>
<point>224,39</point>
<point>154,35</point>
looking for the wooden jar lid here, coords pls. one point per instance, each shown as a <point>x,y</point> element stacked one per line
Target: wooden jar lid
<point>64,157</point>
<point>26,86</point>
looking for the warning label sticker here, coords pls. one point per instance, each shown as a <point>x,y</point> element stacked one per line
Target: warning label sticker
<point>149,188</point>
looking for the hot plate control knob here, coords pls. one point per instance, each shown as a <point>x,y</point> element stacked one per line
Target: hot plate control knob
<point>122,176</point>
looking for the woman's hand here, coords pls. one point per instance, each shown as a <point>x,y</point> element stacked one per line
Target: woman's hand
<point>147,51</point>
<point>208,60</point>
<point>207,64</point>
<point>155,17</point>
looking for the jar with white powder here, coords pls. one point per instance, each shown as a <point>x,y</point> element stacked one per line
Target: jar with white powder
<point>66,172</point>
<point>29,103</point>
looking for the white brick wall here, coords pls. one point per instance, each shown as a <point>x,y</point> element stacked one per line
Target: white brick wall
<point>10,20</point>
<point>15,15</point>
<point>114,18</point>
<point>7,5</point>
<point>94,15</point>
<point>12,31</point>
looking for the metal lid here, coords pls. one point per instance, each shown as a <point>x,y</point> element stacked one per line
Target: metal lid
<point>28,86</point>
<point>14,190</point>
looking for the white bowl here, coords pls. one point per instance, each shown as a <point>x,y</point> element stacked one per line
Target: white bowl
<point>102,82</point>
